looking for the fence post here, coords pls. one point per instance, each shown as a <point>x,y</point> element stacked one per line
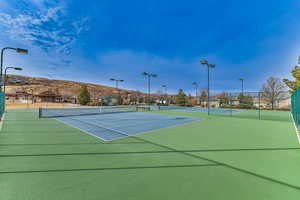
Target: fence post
<point>295,108</point>
<point>2,103</point>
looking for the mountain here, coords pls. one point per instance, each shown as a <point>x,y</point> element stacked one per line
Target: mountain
<point>16,83</point>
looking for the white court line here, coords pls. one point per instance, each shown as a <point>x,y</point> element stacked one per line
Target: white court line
<point>81,129</point>
<point>296,129</point>
<point>110,129</point>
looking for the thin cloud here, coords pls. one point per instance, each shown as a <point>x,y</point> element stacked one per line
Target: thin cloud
<point>48,29</point>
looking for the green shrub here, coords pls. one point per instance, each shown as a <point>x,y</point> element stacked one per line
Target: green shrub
<point>84,96</point>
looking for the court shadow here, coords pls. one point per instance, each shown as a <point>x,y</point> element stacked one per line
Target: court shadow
<point>145,152</point>
<point>109,168</point>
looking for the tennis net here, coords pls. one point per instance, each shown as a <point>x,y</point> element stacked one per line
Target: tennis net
<point>65,112</point>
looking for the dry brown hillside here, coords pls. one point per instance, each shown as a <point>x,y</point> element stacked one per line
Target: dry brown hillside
<point>17,83</point>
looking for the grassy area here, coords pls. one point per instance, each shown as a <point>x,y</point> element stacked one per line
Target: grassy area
<point>216,158</point>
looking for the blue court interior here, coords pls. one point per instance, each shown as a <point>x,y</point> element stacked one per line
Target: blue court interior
<point>113,126</point>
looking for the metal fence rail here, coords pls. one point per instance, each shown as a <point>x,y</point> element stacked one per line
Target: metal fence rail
<point>2,103</point>
<point>254,105</point>
<point>295,106</point>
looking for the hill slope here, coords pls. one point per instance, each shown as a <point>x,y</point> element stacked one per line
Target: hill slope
<point>16,83</point>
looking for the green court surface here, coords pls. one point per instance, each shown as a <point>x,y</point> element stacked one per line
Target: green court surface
<point>257,114</point>
<point>217,158</point>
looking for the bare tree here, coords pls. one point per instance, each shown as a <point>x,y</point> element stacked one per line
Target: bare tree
<point>273,90</point>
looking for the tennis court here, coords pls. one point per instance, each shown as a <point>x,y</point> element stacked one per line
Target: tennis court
<point>110,127</point>
<point>214,158</point>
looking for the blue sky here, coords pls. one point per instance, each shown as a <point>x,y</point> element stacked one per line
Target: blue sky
<point>92,41</point>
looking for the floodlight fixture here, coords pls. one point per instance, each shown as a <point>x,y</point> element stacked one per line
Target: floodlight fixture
<point>18,68</point>
<point>18,50</point>
<point>204,62</point>
<point>22,51</point>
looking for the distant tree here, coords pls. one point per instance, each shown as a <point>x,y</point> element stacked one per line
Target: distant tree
<point>192,101</point>
<point>84,96</point>
<point>273,90</point>
<point>293,85</point>
<point>180,98</point>
<point>245,101</point>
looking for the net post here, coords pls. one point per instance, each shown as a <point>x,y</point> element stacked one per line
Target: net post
<point>40,113</point>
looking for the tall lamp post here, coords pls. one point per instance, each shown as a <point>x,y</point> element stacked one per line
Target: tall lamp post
<point>205,62</point>
<point>18,50</point>
<point>196,88</point>
<point>117,87</point>
<point>5,72</point>
<point>4,80</point>
<point>242,80</point>
<point>149,75</point>
<point>166,95</point>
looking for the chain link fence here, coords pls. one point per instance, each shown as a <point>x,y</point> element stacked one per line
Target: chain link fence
<point>256,105</point>
<point>295,106</point>
<point>2,103</point>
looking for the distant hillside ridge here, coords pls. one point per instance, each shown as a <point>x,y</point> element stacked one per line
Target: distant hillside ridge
<point>17,83</point>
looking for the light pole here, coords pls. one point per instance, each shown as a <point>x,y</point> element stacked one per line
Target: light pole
<point>196,88</point>
<point>5,72</point>
<point>166,95</point>
<point>18,50</point>
<point>149,75</point>
<point>117,87</point>
<point>205,62</point>
<point>4,80</point>
<point>242,80</point>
